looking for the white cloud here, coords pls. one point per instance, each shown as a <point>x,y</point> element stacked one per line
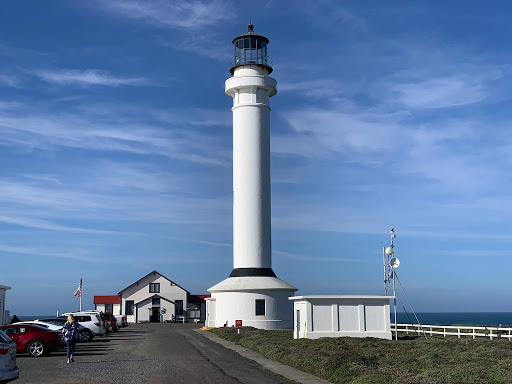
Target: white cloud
<point>324,132</point>
<point>194,14</point>
<point>46,131</point>
<point>48,225</point>
<point>11,81</point>
<point>87,77</point>
<point>444,92</point>
<point>72,254</point>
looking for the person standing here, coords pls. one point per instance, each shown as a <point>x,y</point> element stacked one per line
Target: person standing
<point>14,320</point>
<point>70,332</point>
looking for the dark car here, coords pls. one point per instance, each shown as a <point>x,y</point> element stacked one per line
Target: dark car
<point>32,339</point>
<point>9,371</point>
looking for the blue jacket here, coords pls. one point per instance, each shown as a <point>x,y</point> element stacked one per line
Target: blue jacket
<point>70,330</point>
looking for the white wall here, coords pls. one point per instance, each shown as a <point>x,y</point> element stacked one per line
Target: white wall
<point>100,307</point>
<point>335,316</point>
<point>3,318</point>
<point>116,308</point>
<point>226,307</point>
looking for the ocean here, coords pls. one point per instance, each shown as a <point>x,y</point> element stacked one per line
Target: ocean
<point>26,318</point>
<point>456,318</point>
<point>429,318</point>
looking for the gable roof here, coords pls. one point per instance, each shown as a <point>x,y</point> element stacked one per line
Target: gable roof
<point>154,273</point>
<point>112,299</point>
<point>150,297</point>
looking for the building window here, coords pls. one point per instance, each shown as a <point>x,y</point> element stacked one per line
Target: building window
<point>155,301</point>
<point>109,308</point>
<point>260,307</point>
<point>154,288</point>
<point>128,307</point>
<point>179,307</point>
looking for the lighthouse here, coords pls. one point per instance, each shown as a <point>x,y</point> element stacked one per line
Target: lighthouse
<point>252,293</point>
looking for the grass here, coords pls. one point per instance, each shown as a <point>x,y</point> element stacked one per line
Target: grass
<point>410,360</point>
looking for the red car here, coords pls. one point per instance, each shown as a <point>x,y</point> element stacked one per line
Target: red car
<point>34,340</point>
<point>111,319</point>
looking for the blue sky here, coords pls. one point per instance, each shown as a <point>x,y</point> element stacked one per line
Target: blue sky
<point>116,147</point>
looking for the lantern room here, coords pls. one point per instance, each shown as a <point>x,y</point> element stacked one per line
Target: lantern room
<point>251,49</point>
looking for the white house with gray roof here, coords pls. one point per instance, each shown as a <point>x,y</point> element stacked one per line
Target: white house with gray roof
<point>153,298</point>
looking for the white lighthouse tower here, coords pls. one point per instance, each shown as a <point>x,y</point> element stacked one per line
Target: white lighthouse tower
<point>252,292</point>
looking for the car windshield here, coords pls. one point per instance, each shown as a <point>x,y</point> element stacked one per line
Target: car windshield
<point>4,338</point>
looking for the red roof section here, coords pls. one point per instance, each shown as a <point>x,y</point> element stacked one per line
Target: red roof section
<point>197,298</point>
<point>114,299</point>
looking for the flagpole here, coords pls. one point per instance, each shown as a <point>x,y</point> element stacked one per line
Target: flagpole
<point>81,280</point>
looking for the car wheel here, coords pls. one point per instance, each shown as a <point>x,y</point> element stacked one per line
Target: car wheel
<point>36,348</point>
<point>85,335</point>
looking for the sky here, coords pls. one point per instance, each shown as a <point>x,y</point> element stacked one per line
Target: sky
<point>116,147</point>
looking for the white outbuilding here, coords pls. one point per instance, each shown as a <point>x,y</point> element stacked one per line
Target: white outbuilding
<point>3,317</point>
<point>318,316</point>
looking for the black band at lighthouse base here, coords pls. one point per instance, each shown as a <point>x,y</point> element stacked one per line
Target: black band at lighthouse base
<point>243,272</point>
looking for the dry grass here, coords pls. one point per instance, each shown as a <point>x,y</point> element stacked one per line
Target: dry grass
<point>374,361</point>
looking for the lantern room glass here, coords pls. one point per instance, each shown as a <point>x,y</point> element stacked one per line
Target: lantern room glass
<point>250,50</point>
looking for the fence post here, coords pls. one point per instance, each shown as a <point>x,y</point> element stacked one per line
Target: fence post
<point>458,333</point>
<point>490,333</point>
<point>474,333</point>
<point>444,331</point>
<point>430,331</point>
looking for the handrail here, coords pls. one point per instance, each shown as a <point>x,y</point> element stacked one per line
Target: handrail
<point>491,332</point>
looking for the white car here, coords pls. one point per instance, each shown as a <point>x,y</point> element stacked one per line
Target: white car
<point>51,327</point>
<point>8,368</point>
<point>92,323</point>
<point>121,321</point>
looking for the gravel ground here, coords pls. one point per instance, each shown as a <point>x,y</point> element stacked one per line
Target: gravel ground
<point>146,353</point>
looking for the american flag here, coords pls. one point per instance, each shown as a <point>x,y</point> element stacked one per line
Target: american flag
<point>78,292</point>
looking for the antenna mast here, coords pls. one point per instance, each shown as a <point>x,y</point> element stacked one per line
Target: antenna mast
<point>390,263</point>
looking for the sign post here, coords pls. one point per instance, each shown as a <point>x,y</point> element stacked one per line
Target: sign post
<point>238,325</point>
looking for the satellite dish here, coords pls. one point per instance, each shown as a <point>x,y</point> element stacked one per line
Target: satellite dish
<point>394,262</point>
<point>389,250</point>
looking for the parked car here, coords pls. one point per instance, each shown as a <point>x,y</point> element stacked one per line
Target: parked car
<point>55,323</point>
<point>8,369</point>
<point>121,321</point>
<point>111,320</point>
<point>33,339</point>
<point>51,327</point>
<point>92,323</point>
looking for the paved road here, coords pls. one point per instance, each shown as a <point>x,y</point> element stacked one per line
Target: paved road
<point>146,353</point>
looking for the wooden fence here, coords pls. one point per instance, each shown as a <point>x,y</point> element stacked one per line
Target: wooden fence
<point>453,330</point>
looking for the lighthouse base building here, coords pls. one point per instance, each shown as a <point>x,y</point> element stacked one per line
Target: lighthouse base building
<point>259,301</point>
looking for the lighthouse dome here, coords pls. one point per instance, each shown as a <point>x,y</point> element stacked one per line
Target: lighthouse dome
<point>250,49</point>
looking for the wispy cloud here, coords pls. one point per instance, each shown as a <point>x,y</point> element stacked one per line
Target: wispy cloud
<point>47,131</point>
<point>72,254</point>
<point>442,92</point>
<point>50,226</point>
<point>195,14</point>
<point>87,77</point>
<point>11,81</point>
<point>294,256</point>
